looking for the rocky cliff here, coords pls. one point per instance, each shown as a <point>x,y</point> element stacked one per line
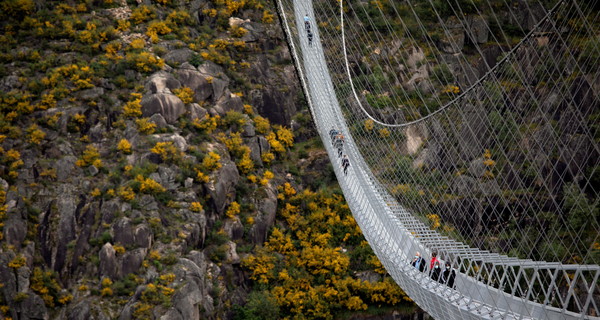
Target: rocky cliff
<point>144,145</point>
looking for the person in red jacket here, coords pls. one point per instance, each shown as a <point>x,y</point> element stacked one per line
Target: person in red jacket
<point>434,259</point>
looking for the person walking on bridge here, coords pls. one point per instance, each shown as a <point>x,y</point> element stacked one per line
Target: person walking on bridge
<point>418,262</point>
<point>332,134</point>
<point>345,164</point>
<point>436,272</point>
<point>310,37</point>
<point>434,259</point>
<point>338,143</point>
<point>307,22</point>
<point>448,275</point>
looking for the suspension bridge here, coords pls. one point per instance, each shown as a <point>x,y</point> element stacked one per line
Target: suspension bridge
<point>471,129</point>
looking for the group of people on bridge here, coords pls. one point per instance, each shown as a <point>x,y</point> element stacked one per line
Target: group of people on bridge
<point>337,139</point>
<point>434,269</point>
<point>309,34</point>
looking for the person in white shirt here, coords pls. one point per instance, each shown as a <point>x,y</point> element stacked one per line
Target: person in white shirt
<point>307,22</point>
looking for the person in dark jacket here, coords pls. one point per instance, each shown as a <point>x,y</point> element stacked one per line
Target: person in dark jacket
<point>339,144</point>
<point>345,164</point>
<point>436,272</point>
<point>448,275</point>
<point>333,133</point>
<point>419,262</point>
<point>310,37</point>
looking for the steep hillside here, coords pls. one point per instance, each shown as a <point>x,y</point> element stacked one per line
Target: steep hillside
<point>147,150</point>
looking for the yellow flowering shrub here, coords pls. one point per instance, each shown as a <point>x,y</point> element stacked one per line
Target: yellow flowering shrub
<point>248,110</point>
<point>489,163</point>
<point>17,8</point>
<point>106,292</point>
<point>156,28</point>
<point>285,136</point>
<point>261,124</point>
<point>148,185</point>
<point>35,135</point>
<point>487,155</point>
<point>145,126</point>
<point>287,189</point>
<point>261,265</point>
<point>133,108</point>
<point>211,161</point>
<point>196,207</point>
<point>245,164</point>
<point>76,122</point>
<point>268,17</point>
<point>274,143</point>
<point>267,176</point>
<point>167,151</point>
<point>178,18</point>
<point>154,255</point>
<point>126,193</point>
<point>144,61</point>
<point>369,125</point>
<point>281,243</point>
<point>185,94</point>
<point>17,262</point>
<point>166,279</point>
<point>384,132</point>
<point>112,50</point>
<point>237,32</point>
<point>435,220</point>
<point>202,177</point>
<point>234,143</point>
<point>119,249</point>
<point>91,156</point>
<point>208,124</point>
<point>124,146</point>
<point>123,25</point>
<point>96,193</point>
<point>44,283</point>
<point>451,89</point>
<point>233,210</point>
<point>303,267</point>
<point>137,44</point>
<point>47,101</point>
<point>267,157</point>
<point>142,14</point>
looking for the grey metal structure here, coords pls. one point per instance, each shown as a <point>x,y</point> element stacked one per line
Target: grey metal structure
<point>488,285</point>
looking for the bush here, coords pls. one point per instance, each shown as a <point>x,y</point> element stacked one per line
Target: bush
<point>167,151</point>
<point>260,305</point>
<point>196,60</point>
<point>144,61</point>
<point>145,126</point>
<point>124,146</point>
<point>16,8</point>
<point>211,161</point>
<point>142,14</point>
<point>442,73</point>
<point>185,94</point>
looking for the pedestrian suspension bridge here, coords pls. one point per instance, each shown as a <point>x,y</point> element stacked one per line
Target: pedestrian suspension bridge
<point>472,128</point>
